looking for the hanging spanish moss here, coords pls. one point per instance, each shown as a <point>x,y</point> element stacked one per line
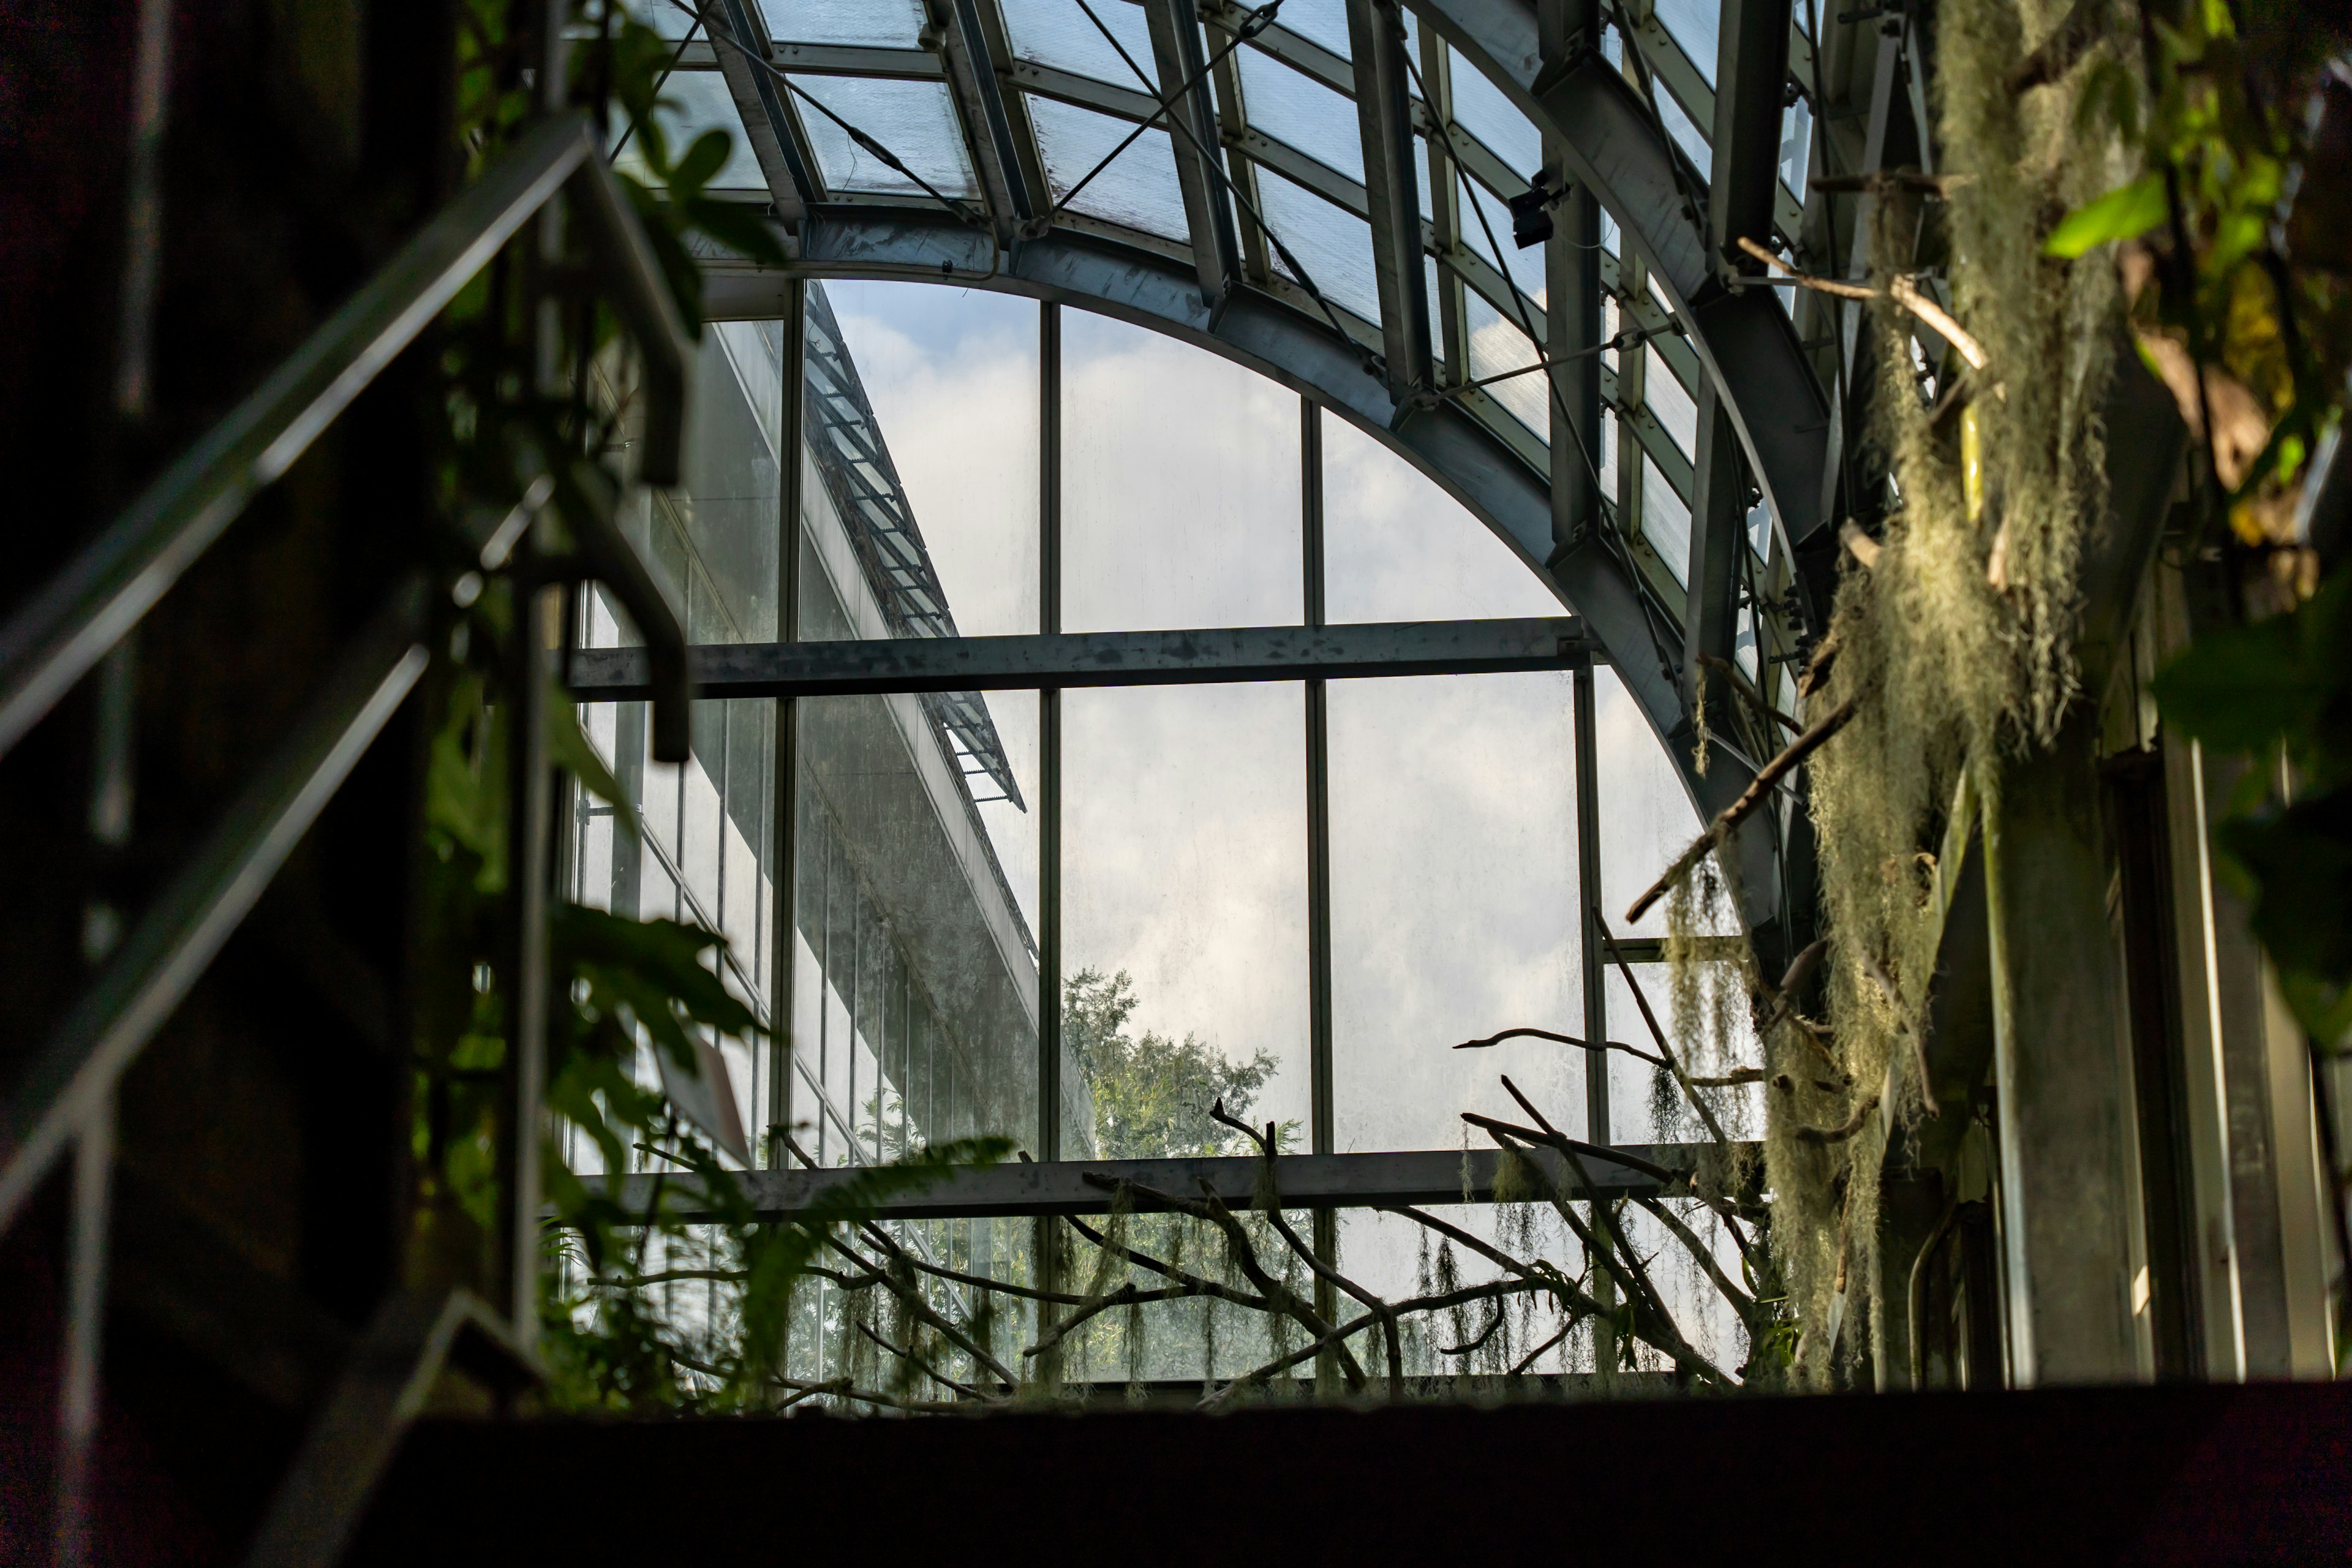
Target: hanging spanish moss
<point>1965,605</point>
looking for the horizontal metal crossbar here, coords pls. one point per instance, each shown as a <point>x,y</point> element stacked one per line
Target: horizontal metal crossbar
<point>105,590</point>
<point>1307,1181</point>
<point>1095,658</point>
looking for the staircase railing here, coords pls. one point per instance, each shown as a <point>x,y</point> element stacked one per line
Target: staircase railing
<point>61,1095</point>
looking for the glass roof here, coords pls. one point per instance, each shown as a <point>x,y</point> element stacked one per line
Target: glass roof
<point>1290,150</point>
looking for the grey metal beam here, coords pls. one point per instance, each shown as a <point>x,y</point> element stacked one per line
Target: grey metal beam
<point>1384,120</point>
<point>784,163</point>
<point>1093,658</point>
<point>1743,338</point>
<point>1751,65</point>
<point>1307,1181</point>
<point>824,60</point>
<point>1178,58</point>
<point>1275,335</point>
<point>989,127</point>
<point>1572,325</point>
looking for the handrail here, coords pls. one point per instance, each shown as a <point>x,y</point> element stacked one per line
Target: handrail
<point>50,643</point>
<point>164,955</point>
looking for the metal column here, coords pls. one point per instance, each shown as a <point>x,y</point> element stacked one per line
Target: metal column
<point>783,789</point>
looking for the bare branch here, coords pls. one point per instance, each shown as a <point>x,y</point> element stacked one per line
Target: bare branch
<point>1563,1039</point>
<point>1641,1001</point>
<point>1754,795</point>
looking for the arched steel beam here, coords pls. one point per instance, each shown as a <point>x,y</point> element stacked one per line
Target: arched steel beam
<point>1162,293</point>
<point>1742,337</point>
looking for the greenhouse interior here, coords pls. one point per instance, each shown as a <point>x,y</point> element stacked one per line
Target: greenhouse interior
<point>1339,774</point>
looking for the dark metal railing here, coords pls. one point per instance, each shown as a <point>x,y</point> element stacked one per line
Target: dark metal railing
<point>62,1096</point>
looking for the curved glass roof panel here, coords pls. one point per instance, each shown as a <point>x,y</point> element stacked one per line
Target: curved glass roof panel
<point>1335,246</point>
<point>1666,521</point>
<point>1294,109</point>
<point>915,119</point>
<point>1697,25</point>
<point>1496,346</point>
<point>1056,33</point>
<point>692,103</point>
<point>1684,130</point>
<point>1480,108</point>
<point>885,24</point>
<point>1323,22</point>
<point>1671,402</point>
<point>1137,188</point>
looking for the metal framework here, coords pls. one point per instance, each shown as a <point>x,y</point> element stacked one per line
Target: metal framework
<point>1645,341</point>
<point>1630,122</point>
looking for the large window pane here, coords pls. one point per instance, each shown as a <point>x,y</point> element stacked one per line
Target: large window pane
<point>1453,902</point>
<point>1645,816</point>
<point>1184,913</point>
<point>1397,548</point>
<point>952,375</point>
<point>1180,501</point>
<point>915,963</point>
<point>702,847</point>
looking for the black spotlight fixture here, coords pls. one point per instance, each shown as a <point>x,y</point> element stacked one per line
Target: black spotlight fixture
<point>1531,209</point>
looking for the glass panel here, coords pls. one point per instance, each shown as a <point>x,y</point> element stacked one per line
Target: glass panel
<point>1686,132</point>
<point>889,24</point>
<point>1323,21</point>
<point>703,850</point>
<point>1646,817</point>
<point>954,374</point>
<point>1335,246</point>
<point>1139,189</point>
<point>912,953</point>
<point>1399,1261</point>
<point>1481,108</point>
<point>915,119</point>
<point>664,17</point>
<point>1498,346</point>
<point>1671,402</point>
<point>1525,267</point>
<point>1056,33</point>
<point>1454,904</point>
<point>1796,146</point>
<point>1666,521</point>
<point>1397,548</point>
<point>1712,1032</point>
<point>1295,108</point>
<point>1696,26</point>
<point>692,103</point>
<point>1185,894</point>
<point>1179,486</point>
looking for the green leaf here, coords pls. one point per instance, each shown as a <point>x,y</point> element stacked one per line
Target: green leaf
<point>704,159</point>
<point>2124,213</point>
<point>2243,688</point>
